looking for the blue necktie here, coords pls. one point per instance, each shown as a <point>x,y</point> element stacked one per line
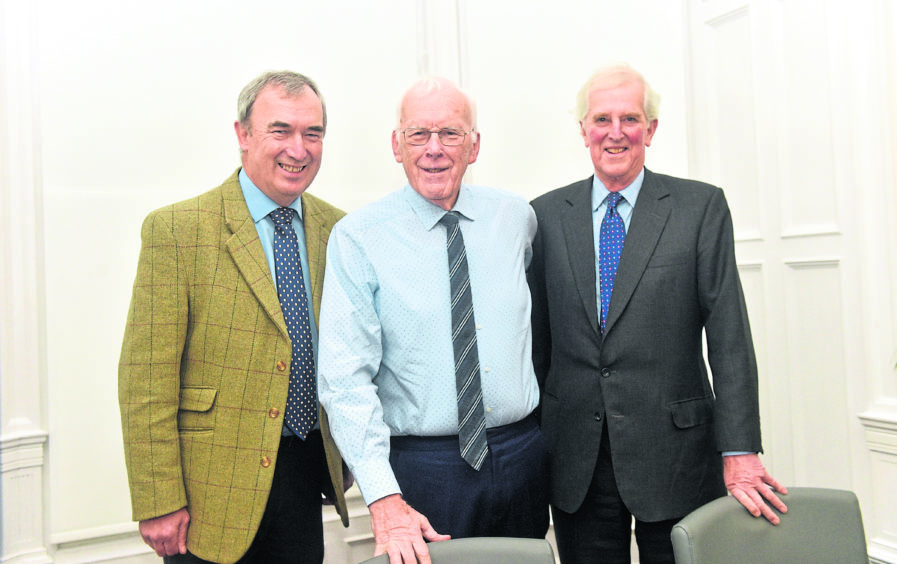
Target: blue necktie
<point>613,232</point>
<point>302,405</point>
<point>471,418</point>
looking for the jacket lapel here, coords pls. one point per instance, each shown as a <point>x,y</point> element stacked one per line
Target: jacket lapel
<point>247,253</point>
<point>316,247</point>
<point>577,225</point>
<point>649,218</point>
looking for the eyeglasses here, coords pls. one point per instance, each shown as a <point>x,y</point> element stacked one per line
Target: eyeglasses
<point>447,136</point>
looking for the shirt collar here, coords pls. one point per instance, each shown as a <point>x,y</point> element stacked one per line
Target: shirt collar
<point>259,204</point>
<point>630,193</point>
<point>429,213</point>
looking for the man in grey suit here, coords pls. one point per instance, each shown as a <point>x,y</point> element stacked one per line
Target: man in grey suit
<point>633,425</point>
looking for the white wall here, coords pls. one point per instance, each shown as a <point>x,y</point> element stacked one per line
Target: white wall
<point>111,109</point>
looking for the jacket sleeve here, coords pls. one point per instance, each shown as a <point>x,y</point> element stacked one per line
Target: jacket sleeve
<point>148,372</point>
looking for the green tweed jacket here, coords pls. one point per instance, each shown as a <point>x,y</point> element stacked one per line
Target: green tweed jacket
<point>204,369</point>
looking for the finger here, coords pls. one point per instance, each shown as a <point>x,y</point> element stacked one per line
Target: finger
<point>430,533</point>
<point>745,500</point>
<point>774,484</point>
<point>770,515</point>
<point>422,552</point>
<point>182,538</point>
<point>408,554</point>
<point>774,500</point>
<point>395,554</point>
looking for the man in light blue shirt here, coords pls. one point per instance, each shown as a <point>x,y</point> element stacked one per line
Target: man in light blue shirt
<point>387,365</point>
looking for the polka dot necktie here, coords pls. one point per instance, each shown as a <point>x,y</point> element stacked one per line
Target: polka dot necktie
<point>471,418</point>
<point>302,405</point>
<point>613,232</point>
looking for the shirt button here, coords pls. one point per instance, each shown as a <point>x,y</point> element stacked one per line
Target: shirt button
<point>281,365</point>
<point>273,413</point>
<point>486,369</point>
<point>266,462</point>
<point>488,410</point>
<point>479,326</point>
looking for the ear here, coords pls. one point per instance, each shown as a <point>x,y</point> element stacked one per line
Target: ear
<point>585,136</point>
<point>242,135</point>
<point>474,149</point>
<point>395,146</point>
<point>649,133</point>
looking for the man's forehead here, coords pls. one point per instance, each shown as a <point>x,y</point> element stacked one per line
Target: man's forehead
<point>439,108</point>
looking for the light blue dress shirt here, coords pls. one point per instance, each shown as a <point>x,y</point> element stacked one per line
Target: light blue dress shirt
<point>260,205</point>
<point>386,365</point>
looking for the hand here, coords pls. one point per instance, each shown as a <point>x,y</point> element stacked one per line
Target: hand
<point>750,483</point>
<point>167,535</point>
<point>400,531</point>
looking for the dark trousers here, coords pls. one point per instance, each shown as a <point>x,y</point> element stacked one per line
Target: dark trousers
<point>507,497</point>
<point>291,530</point>
<point>601,529</point>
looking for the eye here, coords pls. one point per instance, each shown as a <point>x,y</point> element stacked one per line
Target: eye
<point>417,135</point>
<point>450,134</point>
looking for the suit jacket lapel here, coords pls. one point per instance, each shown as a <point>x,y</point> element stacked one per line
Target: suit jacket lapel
<point>246,250</point>
<point>577,225</point>
<point>316,247</point>
<point>649,218</point>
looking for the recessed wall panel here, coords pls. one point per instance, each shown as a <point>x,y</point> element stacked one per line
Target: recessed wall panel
<point>735,111</point>
<point>817,374</point>
<point>806,113</point>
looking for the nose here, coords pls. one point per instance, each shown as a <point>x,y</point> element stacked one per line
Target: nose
<point>434,145</point>
<point>616,129</point>
<point>296,148</point>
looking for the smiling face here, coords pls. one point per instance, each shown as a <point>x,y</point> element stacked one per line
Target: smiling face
<point>616,131</point>
<point>434,170</point>
<point>282,143</point>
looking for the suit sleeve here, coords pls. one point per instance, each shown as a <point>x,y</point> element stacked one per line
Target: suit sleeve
<point>729,345</point>
<point>148,374</point>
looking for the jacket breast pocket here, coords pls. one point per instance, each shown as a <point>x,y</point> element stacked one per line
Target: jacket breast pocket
<point>668,259</point>
<point>195,409</point>
<point>692,412</point>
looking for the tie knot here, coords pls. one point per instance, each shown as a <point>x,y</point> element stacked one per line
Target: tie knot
<point>613,199</point>
<point>282,216</point>
<point>450,219</point>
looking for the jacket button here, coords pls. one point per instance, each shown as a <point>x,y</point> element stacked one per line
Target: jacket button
<point>273,413</point>
<point>281,365</point>
<point>266,462</point>
<point>597,417</point>
<point>605,373</point>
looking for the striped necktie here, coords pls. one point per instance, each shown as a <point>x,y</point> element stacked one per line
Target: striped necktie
<point>471,418</point>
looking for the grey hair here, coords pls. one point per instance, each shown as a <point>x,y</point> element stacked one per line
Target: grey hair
<point>616,75</point>
<point>432,83</point>
<point>292,82</point>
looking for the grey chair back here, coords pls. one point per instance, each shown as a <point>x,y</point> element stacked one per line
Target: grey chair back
<point>485,550</point>
<point>822,526</point>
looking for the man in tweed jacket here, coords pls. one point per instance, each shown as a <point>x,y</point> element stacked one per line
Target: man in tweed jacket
<point>205,366</point>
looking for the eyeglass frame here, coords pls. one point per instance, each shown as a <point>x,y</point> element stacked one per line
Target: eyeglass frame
<point>438,132</point>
